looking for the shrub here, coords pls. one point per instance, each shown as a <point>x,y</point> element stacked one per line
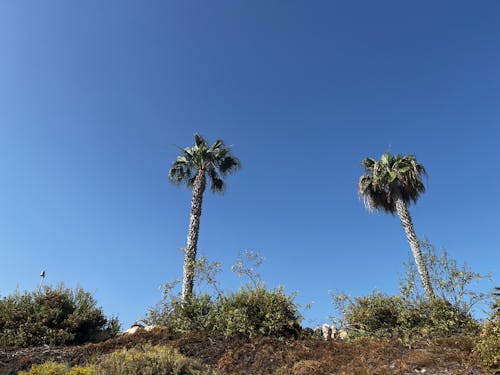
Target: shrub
<point>376,314</point>
<point>252,311</point>
<point>80,371</point>
<point>257,311</point>
<point>53,316</point>
<point>488,346</point>
<point>411,315</point>
<point>47,368</point>
<point>196,315</point>
<point>426,319</point>
<point>147,359</point>
<point>380,315</point>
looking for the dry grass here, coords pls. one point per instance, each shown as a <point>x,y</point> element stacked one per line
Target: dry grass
<point>240,355</point>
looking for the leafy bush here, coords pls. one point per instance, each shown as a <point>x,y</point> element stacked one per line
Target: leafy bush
<point>488,346</point>
<point>411,315</point>
<point>147,359</point>
<point>52,316</point>
<point>426,319</point>
<point>252,311</point>
<point>257,311</point>
<point>380,315</point>
<point>377,314</point>
<point>196,315</point>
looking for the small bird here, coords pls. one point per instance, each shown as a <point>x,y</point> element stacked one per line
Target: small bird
<point>42,277</point>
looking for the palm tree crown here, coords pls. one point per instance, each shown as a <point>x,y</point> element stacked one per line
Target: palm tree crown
<point>215,160</point>
<point>391,177</point>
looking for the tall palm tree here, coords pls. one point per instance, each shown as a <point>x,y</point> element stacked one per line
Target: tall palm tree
<point>390,185</point>
<point>192,167</point>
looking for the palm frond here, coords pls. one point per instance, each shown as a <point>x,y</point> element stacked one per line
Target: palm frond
<point>389,177</point>
<point>215,160</point>
<point>217,184</point>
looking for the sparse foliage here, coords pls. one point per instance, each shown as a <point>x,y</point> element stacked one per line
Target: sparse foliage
<point>246,265</point>
<point>452,282</point>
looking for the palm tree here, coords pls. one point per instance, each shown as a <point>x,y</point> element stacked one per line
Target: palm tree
<point>192,167</point>
<point>390,185</point>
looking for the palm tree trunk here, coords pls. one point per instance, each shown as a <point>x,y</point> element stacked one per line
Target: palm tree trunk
<point>192,237</point>
<point>406,222</point>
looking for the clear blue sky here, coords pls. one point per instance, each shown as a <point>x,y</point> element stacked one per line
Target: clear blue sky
<point>94,95</point>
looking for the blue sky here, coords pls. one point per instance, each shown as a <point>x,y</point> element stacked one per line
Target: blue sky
<point>95,96</point>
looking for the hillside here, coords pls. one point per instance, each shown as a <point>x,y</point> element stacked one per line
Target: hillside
<point>240,355</point>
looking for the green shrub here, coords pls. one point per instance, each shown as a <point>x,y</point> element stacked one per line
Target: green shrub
<point>196,315</point>
<point>380,315</point>
<point>252,311</point>
<point>377,314</point>
<point>257,311</point>
<point>427,319</point>
<point>147,360</point>
<point>411,315</point>
<point>488,346</point>
<point>53,316</point>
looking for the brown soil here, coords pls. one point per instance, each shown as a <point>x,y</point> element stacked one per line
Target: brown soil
<point>240,355</point>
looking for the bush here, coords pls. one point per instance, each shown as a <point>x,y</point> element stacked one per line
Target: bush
<point>377,314</point>
<point>488,346</point>
<point>47,368</point>
<point>426,319</point>
<point>257,311</point>
<point>52,316</point>
<point>147,359</point>
<point>196,315</point>
<point>411,315</point>
<point>252,311</point>
<point>380,315</point>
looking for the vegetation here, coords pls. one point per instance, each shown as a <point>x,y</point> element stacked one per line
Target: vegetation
<point>391,184</point>
<point>55,368</point>
<point>53,316</point>
<point>271,355</point>
<point>192,168</point>
<point>147,360</point>
<point>252,311</point>
<point>258,311</point>
<point>254,328</point>
<point>410,316</point>
<point>141,360</point>
<point>488,346</point>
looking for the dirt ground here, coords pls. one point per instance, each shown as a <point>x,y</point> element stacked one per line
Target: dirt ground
<point>240,355</point>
